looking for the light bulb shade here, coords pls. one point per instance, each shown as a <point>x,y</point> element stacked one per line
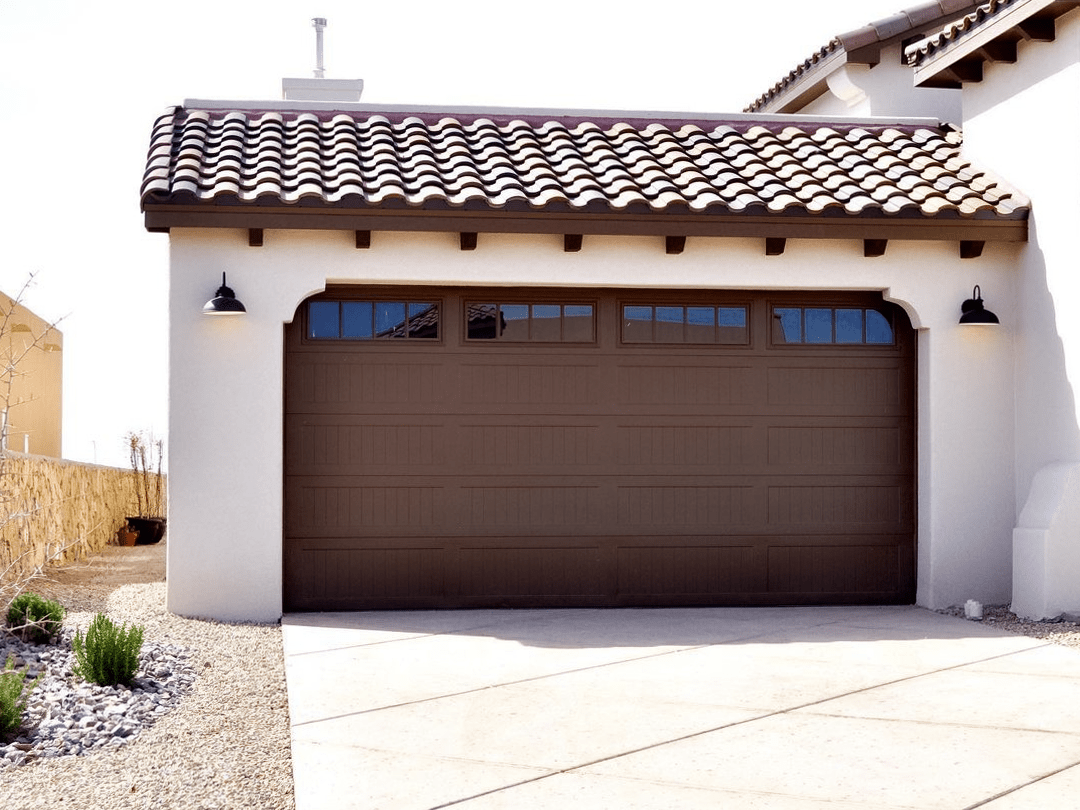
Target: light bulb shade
<point>224,302</point>
<point>973,313</point>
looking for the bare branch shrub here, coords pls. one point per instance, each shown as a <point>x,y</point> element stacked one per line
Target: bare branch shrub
<point>145,452</point>
<point>19,561</point>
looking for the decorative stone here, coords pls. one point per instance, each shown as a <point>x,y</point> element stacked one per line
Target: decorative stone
<point>66,716</point>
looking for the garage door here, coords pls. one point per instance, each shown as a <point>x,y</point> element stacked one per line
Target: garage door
<point>509,447</point>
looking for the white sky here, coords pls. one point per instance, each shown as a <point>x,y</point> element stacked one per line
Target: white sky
<point>81,83</point>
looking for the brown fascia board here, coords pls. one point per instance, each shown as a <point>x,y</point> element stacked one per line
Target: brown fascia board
<point>838,226</point>
<point>1005,25</point>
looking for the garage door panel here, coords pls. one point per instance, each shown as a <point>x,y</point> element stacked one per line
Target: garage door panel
<point>839,445</point>
<point>673,383</point>
<point>676,508</point>
<point>531,507</point>
<point>506,570</point>
<point>657,571</point>
<point>559,381</point>
<point>854,387</point>
<point>331,382</point>
<point>681,443</point>
<point>553,445</point>
<point>334,445</point>
<point>337,574</point>
<point>816,505</point>
<point>824,569</point>
<point>332,506</point>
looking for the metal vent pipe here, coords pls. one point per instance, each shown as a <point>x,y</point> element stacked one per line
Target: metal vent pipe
<point>320,26</point>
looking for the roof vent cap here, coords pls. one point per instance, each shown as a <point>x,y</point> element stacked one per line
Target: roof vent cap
<point>320,88</point>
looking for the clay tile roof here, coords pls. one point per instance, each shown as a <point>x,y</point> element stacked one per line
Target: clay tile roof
<point>862,45</point>
<point>207,164</point>
<point>960,31</point>
<point>954,31</point>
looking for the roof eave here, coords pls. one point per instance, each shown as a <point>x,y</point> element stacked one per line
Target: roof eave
<point>961,60</point>
<point>811,85</point>
<point>836,225</point>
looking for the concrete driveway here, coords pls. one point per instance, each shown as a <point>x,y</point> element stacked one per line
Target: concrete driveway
<point>802,708</point>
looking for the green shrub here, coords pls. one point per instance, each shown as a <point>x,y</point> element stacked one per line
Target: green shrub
<point>108,655</point>
<point>35,618</point>
<point>14,693</point>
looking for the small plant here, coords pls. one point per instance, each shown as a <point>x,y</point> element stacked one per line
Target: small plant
<point>35,618</point>
<point>108,654</point>
<point>14,692</point>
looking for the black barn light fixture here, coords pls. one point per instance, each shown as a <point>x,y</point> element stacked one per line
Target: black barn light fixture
<point>224,302</point>
<point>974,313</point>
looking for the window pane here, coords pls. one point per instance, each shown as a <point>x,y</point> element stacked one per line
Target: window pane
<point>732,325</point>
<point>733,316</point>
<point>482,320</point>
<point>515,321</point>
<point>423,321</point>
<point>323,320</point>
<point>578,323</point>
<point>637,324</point>
<point>700,325</point>
<point>878,328</point>
<point>849,326</point>
<point>546,325</point>
<point>389,319</point>
<point>787,325</point>
<point>356,320</point>
<point>819,326</point>
<point>669,325</point>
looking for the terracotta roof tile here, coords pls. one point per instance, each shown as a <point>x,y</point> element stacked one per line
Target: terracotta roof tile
<point>942,39</point>
<point>367,160</point>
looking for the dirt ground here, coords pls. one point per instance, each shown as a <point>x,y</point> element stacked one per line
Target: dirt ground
<point>84,586</point>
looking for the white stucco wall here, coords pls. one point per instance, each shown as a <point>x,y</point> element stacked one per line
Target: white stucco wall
<point>226,410</point>
<point>1022,120</point>
<point>885,90</point>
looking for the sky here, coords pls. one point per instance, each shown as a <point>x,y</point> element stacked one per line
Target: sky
<point>81,84</point>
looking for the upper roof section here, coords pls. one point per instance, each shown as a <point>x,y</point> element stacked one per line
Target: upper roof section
<point>956,53</point>
<point>863,46</point>
<point>535,171</point>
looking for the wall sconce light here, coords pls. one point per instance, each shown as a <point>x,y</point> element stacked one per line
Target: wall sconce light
<point>974,313</point>
<point>224,302</point>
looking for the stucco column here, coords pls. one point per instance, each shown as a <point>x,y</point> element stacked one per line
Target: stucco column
<point>965,447</point>
<point>226,455</point>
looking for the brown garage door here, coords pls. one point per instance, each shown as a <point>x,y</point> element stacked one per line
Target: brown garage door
<point>487,447</point>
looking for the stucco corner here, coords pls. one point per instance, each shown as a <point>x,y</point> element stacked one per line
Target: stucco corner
<point>1046,545</point>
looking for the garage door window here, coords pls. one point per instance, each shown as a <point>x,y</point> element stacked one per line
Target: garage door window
<point>531,323</point>
<point>685,324</point>
<point>373,320</point>
<point>825,325</point>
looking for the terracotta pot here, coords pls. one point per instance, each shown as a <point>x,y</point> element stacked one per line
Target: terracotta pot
<point>150,529</point>
<point>126,536</point>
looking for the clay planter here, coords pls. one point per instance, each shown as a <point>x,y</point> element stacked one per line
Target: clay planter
<point>126,536</point>
<point>150,529</point>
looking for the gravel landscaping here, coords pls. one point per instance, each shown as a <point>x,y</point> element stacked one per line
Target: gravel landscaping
<point>1059,631</point>
<point>226,742</point>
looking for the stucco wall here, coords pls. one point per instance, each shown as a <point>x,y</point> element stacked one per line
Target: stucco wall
<point>884,90</point>
<point>34,414</point>
<point>72,510</point>
<point>1022,120</point>
<point>226,458</point>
